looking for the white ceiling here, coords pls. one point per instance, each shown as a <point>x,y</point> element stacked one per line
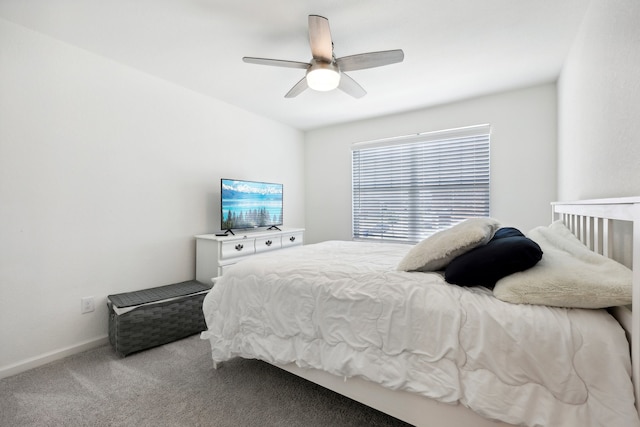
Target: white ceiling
<point>454,49</point>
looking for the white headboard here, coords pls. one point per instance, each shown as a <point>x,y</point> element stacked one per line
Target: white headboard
<point>593,221</point>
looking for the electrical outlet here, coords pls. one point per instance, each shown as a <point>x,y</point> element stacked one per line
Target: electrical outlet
<point>87,305</point>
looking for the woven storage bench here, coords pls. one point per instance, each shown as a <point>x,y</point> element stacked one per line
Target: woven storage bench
<point>152,317</point>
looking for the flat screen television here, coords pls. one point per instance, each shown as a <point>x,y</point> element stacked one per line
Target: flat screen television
<point>250,204</point>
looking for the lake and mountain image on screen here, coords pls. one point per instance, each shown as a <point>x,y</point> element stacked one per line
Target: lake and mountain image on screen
<point>249,204</point>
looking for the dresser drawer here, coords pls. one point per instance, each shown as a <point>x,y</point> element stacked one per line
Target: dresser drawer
<point>268,243</point>
<point>291,239</point>
<point>223,268</point>
<point>236,248</point>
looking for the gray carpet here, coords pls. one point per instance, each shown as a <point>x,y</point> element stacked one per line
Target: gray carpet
<point>173,385</point>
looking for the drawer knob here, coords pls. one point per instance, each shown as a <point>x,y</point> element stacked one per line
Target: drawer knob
<point>239,247</point>
<point>268,243</point>
<point>292,238</point>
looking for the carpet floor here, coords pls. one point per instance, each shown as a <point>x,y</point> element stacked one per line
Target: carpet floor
<point>173,385</point>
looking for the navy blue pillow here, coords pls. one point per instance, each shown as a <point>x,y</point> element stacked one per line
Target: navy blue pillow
<point>508,252</point>
<point>506,232</point>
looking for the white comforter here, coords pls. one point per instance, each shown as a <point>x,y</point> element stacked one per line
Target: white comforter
<point>342,307</point>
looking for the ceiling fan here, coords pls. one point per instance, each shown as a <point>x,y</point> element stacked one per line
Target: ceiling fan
<point>324,71</point>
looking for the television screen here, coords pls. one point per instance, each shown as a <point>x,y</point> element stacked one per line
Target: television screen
<point>250,204</point>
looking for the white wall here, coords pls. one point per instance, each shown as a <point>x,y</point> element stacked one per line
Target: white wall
<point>106,174</point>
<point>523,157</point>
<point>599,105</point>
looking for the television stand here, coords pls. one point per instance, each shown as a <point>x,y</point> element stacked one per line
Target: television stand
<point>274,227</point>
<point>215,253</point>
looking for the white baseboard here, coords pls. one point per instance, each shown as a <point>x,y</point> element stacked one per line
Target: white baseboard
<point>34,362</point>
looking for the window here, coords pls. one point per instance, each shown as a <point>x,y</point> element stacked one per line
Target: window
<point>407,188</point>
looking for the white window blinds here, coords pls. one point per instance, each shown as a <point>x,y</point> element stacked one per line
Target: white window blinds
<point>407,188</point>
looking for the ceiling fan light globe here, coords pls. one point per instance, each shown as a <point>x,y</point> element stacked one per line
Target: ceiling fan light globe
<point>323,79</point>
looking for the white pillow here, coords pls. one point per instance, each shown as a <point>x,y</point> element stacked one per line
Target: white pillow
<point>437,250</point>
<point>568,275</point>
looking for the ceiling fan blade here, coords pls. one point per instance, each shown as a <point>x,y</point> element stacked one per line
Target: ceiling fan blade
<point>298,88</point>
<point>370,60</point>
<point>320,38</point>
<point>350,86</point>
<point>276,62</point>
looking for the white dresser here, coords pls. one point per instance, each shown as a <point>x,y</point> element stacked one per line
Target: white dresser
<point>215,253</point>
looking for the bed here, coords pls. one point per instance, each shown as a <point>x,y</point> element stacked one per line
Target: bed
<point>341,314</point>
